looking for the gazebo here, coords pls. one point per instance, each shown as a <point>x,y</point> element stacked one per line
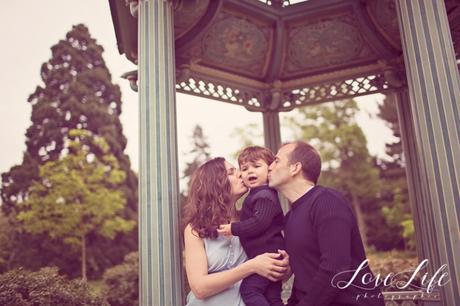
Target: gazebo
<point>273,56</point>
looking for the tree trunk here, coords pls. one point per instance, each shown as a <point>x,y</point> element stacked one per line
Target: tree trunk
<point>12,255</point>
<point>11,258</point>
<point>360,219</point>
<point>83,258</point>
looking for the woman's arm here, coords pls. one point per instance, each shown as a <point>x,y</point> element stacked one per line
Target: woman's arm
<point>204,285</point>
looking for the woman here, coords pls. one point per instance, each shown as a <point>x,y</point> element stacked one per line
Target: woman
<point>215,265</point>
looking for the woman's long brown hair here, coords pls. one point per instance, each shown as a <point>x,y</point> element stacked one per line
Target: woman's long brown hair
<point>209,202</point>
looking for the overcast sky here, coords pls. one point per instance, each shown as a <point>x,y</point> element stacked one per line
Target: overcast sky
<point>28,30</point>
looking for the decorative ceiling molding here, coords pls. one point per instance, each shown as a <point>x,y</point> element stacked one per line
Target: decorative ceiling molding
<point>324,43</point>
<point>260,96</point>
<point>249,53</point>
<point>237,44</point>
<point>334,90</point>
<point>383,15</point>
<point>187,14</point>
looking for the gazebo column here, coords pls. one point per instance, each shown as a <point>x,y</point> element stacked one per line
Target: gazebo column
<point>160,273</point>
<point>272,140</point>
<point>418,187</point>
<point>434,83</point>
<point>272,133</point>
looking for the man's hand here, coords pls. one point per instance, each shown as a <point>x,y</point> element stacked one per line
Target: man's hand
<point>225,229</point>
<point>285,259</point>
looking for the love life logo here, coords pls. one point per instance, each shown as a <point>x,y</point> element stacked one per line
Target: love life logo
<point>368,281</point>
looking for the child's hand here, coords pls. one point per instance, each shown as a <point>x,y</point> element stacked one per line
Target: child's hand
<point>225,229</point>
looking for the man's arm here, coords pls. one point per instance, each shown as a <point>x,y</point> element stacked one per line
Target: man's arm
<point>333,222</point>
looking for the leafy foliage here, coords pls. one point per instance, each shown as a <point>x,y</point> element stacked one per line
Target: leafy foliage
<point>6,233</point>
<point>77,195</point>
<point>45,287</point>
<point>379,186</point>
<point>347,164</point>
<point>249,135</point>
<point>395,195</point>
<point>77,93</point>
<point>122,282</point>
<point>401,262</point>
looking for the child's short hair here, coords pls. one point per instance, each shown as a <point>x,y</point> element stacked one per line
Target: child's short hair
<point>253,153</point>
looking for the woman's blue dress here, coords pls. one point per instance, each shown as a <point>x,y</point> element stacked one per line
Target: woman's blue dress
<point>223,253</point>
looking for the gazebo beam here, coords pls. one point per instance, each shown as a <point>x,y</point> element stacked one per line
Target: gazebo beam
<point>434,82</point>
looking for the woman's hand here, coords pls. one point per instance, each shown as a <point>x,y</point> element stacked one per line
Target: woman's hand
<point>271,265</point>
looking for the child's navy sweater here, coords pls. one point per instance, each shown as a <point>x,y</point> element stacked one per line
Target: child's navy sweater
<point>261,222</point>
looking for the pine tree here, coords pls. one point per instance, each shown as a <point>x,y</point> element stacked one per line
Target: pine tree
<point>200,153</point>
<point>5,241</point>
<point>77,94</point>
<point>394,194</point>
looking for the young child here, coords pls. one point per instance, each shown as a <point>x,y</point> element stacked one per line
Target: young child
<point>260,225</point>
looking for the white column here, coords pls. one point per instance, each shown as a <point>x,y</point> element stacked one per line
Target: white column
<point>160,274</point>
<point>434,90</point>
<point>417,185</point>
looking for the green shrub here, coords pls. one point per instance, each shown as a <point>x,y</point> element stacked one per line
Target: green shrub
<point>122,282</point>
<point>44,288</point>
<point>384,263</point>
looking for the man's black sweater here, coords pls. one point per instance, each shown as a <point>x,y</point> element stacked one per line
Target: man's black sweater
<point>261,222</point>
<point>322,239</point>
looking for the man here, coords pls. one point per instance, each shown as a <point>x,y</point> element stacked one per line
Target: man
<point>321,235</point>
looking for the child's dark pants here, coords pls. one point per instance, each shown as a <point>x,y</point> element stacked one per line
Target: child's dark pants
<point>260,291</point>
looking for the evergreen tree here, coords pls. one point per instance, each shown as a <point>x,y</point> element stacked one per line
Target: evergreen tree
<point>77,94</point>
<point>394,194</point>
<point>200,153</point>
<point>347,164</point>
<point>5,242</point>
